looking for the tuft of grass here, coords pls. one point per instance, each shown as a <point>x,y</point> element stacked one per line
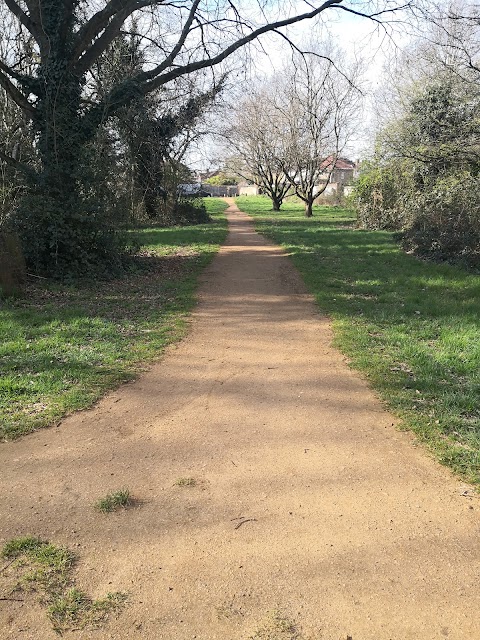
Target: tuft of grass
<point>410,326</point>
<point>186,482</point>
<point>113,501</point>
<point>44,569</point>
<point>75,610</point>
<point>62,346</point>
<point>44,566</point>
<point>277,626</point>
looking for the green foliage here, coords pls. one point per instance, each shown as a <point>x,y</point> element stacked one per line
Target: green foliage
<point>17,546</point>
<point>376,197</point>
<point>445,220</point>
<point>68,239</point>
<point>411,326</point>
<point>222,179</point>
<point>76,610</point>
<point>424,178</point>
<point>182,211</point>
<point>186,482</point>
<point>278,626</point>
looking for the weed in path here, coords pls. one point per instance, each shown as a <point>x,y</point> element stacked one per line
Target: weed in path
<point>228,610</point>
<point>43,569</point>
<point>114,501</point>
<point>186,482</point>
<point>75,610</point>
<point>277,626</point>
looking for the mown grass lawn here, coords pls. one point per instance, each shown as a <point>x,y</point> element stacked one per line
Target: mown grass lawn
<point>413,328</point>
<point>62,347</point>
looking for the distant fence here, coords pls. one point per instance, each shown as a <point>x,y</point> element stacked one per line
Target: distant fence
<point>221,191</point>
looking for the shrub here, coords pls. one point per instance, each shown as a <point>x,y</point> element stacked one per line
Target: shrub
<point>445,220</point>
<point>185,211</point>
<point>377,197</point>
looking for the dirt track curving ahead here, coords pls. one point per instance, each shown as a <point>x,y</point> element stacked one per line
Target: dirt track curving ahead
<point>308,502</point>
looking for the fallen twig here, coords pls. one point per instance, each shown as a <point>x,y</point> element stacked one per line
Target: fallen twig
<point>7,565</point>
<point>244,521</point>
<point>11,600</point>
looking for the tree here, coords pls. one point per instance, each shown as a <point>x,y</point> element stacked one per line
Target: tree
<point>259,147</point>
<point>52,86</point>
<point>317,111</point>
<point>448,38</point>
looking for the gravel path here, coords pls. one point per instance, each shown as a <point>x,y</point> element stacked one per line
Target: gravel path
<point>311,517</point>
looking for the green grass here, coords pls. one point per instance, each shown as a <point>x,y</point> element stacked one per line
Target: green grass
<point>412,327</point>
<point>120,499</point>
<point>45,570</point>
<point>62,347</point>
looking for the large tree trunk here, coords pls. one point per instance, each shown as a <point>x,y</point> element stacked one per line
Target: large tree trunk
<point>13,272</point>
<point>54,226</point>
<point>56,213</point>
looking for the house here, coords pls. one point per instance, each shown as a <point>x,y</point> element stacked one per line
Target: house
<point>340,178</point>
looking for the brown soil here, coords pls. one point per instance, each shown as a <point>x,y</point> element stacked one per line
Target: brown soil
<point>308,502</point>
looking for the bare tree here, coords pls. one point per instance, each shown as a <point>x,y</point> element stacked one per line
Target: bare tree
<point>318,111</point>
<point>259,146</point>
<point>449,38</point>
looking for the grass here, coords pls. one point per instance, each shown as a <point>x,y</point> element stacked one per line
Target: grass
<point>62,347</point>
<point>120,499</point>
<point>46,570</point>
<point>411,327</point>
<point>186,482</point>
<point>277,626</point>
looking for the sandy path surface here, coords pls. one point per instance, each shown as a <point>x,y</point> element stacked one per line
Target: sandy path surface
<point>348,529</point>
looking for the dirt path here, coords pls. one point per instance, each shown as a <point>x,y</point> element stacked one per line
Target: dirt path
<point>348,529</point>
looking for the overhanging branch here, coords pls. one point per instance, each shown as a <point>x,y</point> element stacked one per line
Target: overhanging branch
<point>16,95</point>
<point>19,166</point>
<point>155,78</point>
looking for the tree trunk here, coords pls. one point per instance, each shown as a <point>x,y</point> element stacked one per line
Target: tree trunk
<point>54,208</point>
<point>309,209</point>
<point>13,273</point>
<point>276,203</point>
<point>59,234</point>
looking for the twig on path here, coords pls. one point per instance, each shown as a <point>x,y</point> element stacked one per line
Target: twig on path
<point>244,521</point>
<point>11,600</point>
<point>233,463</point>
<point>7,565</point>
